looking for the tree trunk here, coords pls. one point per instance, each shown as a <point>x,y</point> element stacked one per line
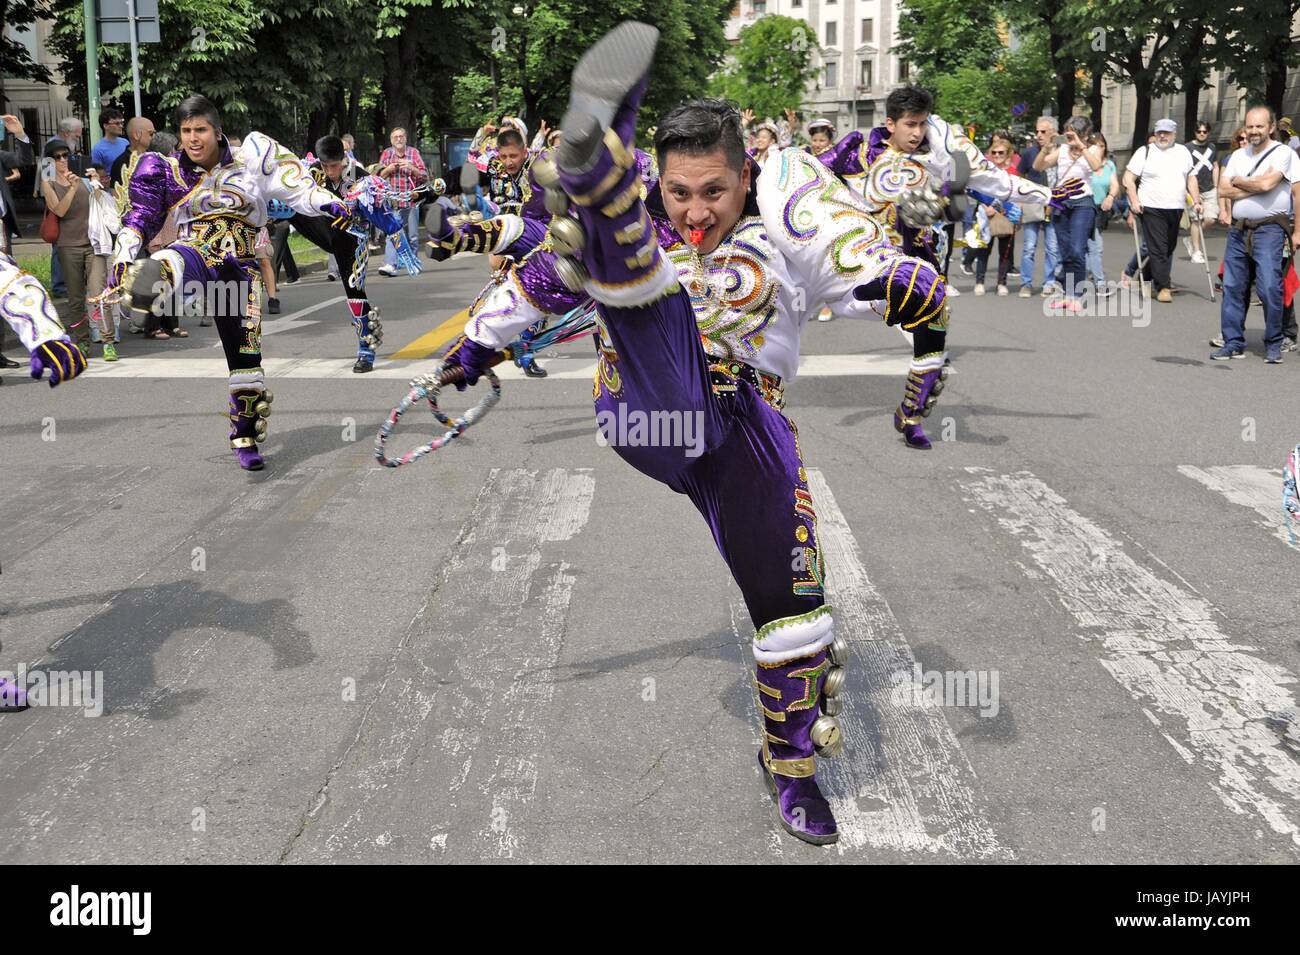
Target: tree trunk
<point>1065,68</point>
<point>1275,80</point>
<point>1142,117</point>
<point>1095,100</point>
<point>354,104</point>
<point>399,70</point>
<point>1193,75</point>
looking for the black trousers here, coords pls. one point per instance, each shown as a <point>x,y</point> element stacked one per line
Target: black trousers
<point>281,254</point>
<point>339,243</point>
<point>1160,229</point>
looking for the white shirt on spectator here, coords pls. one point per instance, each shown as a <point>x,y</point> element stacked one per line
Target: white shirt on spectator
<point>1163,174</point>
<point>1277,201</point>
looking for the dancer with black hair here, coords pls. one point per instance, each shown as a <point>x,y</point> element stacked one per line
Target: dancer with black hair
<point>710,329</point>
<point>220,199</point>
<point>903,170</point>
<point>334,172</point>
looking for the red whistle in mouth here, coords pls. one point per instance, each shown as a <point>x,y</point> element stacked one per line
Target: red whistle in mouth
<point>696,237</point>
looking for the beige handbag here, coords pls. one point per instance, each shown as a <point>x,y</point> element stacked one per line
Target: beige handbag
<point>1000,225</point>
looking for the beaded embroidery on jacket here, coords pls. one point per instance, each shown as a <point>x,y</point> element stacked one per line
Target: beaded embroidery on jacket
<point>731,315</point>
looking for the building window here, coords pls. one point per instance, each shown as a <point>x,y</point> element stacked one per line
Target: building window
<point>868,30</point>
<point>797,4</point>
<point>866,115</point>
<point>866,74</point>
<point>831,78</point>
<point>903,71</point>
<point>760,7</point>
<point>832,33</point>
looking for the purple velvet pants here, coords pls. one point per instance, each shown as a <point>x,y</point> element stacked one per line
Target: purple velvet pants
<point>742,469</point>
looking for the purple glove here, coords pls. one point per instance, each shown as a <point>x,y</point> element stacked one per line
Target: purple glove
<point>1064,191</point>
<point>64,360</point>
<point>469,355</point>
<point>912,290</point>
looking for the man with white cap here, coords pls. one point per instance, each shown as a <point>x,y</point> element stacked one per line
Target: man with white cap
<point>1165,168</point>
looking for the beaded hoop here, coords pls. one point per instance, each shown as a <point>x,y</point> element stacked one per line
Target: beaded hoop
<point>429,387</point>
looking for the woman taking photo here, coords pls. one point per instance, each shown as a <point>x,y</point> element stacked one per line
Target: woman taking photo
<point>1073,158</point>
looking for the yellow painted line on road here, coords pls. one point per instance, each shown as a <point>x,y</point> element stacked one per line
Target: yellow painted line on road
<point>430,342</point>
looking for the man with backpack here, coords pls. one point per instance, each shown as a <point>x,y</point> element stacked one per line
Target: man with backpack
<point>1167,177</point>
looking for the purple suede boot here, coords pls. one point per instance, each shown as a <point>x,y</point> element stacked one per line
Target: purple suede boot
<point>919,396</point>
<point>12,696</point>
<point>792,697</point>
<point>248,413</point>
<point>597,167</point>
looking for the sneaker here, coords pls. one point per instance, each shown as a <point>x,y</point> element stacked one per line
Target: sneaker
<point>979,289</point>
<point>966,269</point>
<point>332,276</point>
<point>273,306</point>
<point>1026,292</point>
<point>289,281</point>
<point>1273,354</point>
<point>1217,341</point>
<point>1164,295</point>
<point>1049,290</point>
<point>1003,291</point>
<point>1289,344</point>
<point>1198,258</point>
<point>1224,353</point>
<point>954,292</point>
<point>1187,244</point>
<point>388,270</point>
<point>825,315</point>
<point>110,353</point>
<point>1105,290</point>
<point>1014,270</point>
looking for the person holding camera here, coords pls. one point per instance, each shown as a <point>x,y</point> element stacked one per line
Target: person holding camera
<point>1073,158</point>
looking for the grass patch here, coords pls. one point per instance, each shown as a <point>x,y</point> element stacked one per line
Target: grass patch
<point>38,265</point>
<point>305,251</point>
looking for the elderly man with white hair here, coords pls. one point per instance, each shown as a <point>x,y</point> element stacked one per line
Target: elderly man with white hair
<point>1168,176</point>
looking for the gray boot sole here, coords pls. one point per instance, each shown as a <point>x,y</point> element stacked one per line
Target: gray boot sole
<point>601,81</point>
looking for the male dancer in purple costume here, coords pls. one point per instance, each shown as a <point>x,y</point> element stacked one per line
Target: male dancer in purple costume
<point>27,309</point>
<point>759,266</point>
<point>221,197</point>
<point>913,152</point>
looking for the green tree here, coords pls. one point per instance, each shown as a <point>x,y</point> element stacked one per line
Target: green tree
<point>983,96</point>
<point>15,59</point>
<point>772,66</point>
<point>939,36</point>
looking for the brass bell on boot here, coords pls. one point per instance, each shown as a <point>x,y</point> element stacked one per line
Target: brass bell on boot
<point>839,651</point>
<point>557,203</point>
<point>834,684</point>
<point>832,705</point>
<point>546,174</point>
<point>259,430</point>
<point>268,397</point>
<point>826,736</point>
<point>567,237</point>
<point>263,409</point>
<point>573,275</point>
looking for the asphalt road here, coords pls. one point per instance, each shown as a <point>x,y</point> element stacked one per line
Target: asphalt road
<point>521,649</point>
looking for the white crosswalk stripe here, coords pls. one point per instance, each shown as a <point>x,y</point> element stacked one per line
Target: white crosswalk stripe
<point>1259,489</point>
<point>903,782</point>
<point>1217,703</point>
<point>340,369</point>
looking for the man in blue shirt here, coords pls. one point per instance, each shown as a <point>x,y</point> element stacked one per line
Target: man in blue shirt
<point>114,143</point>
<point>1033,224</point>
